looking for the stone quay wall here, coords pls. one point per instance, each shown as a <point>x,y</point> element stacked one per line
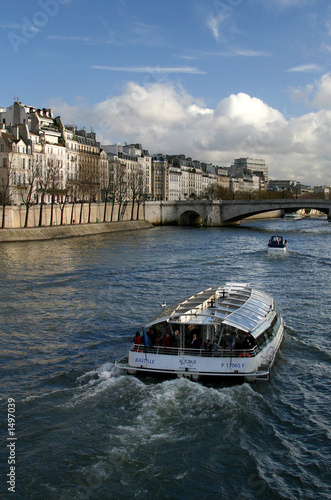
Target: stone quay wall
<point>55,232</point>
<point>15,215</point>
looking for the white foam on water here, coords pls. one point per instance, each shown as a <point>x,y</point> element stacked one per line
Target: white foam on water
<point>46,394</point>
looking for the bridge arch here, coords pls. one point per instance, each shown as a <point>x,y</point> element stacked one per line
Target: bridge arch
<point>232,211</point>
<point>190,218</point>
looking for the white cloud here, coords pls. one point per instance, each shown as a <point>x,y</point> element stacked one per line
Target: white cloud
<point>322,98</point>
<point>222,12</point>
<point>316,95</point>
<point>151,69</point>
<point>165,118</point>
<point>284,4</point>
<point>69,38</point>
<point>301,94</point>
<point>305,68</point>
<point>326,47</point>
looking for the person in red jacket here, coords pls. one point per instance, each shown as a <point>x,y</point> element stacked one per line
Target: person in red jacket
<point>137,341</point>
<point>167,340</point>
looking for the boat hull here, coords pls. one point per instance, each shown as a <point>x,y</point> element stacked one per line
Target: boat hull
<point>277,250</point>
<point>196,367</point>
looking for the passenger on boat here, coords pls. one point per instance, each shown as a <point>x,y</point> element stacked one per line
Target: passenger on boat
<point>176,339</point>
<point>195,342</point>
<point>232,341</point>
<point>152,335</point>
<point>215,348</point>
<point>167,340</point>
<point>208,345</point>
<point>250,342</point>
<point>137,340</point>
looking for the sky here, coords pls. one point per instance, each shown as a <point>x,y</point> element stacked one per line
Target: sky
<point>212,79</point>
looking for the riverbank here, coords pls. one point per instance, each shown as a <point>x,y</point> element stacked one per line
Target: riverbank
<point>69,231</point>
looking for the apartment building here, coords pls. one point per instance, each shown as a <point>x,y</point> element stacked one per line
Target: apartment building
<point>160,178</point>
<point>137,163</point>
<point>15,166</point>
<point>65,162</point>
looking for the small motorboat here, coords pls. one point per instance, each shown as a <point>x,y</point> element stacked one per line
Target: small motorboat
<point>277,244</point>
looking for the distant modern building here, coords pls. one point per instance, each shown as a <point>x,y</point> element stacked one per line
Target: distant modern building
<point>243,167</point>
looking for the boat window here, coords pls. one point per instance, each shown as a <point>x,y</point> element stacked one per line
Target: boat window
<point>270,332</point>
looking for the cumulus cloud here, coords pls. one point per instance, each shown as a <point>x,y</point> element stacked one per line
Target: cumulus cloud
<point>316,95</point>
<point>322,98</point>
<point>165,118</point>
<point>301,94</point>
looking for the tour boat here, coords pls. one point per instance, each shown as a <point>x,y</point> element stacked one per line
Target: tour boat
<point>277,244</point>
<point>226,331</point>
<point>294,216</point>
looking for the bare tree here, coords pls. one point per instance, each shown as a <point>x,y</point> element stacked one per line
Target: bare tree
<point>109,189</point>
<point>5,181</point>
<point>133,189</point>
<point>55,185</point>
<point>89,186</point>
<point>27,188</point>
<point>121,187</point>
<point>73,190</point>
<point>63,198</point>
<point>93,188</point>
<point>136,189</point>
<point>43,184</point>
<point>141,192</point>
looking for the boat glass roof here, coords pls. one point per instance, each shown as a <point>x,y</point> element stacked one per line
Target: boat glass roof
<point>235,304</point>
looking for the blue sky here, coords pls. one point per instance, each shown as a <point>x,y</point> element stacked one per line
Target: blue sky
<point>213,79</point>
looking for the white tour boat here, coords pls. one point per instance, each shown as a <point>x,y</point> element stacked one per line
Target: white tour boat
<point>292,216</point>
<point>227,331</point>
<point>277,244</point>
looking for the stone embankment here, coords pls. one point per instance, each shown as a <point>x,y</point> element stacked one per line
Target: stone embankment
<point>69,231</point>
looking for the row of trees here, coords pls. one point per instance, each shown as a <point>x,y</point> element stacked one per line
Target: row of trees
<point>45,180</point>
<point>216,192</point>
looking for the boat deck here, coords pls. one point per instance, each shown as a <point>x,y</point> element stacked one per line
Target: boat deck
<point>178,351</point>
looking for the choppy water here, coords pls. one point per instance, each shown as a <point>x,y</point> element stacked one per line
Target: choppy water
<point>68,310</point>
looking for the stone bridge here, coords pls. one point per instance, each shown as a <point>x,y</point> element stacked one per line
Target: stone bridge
<point>224,212</point>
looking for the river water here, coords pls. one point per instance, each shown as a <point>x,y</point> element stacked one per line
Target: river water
<point>84,431</point>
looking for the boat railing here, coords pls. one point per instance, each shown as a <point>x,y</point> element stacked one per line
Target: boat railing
<point>182,351</point>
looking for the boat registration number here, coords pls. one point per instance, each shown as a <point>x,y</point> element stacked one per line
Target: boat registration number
<point>232,365</point>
